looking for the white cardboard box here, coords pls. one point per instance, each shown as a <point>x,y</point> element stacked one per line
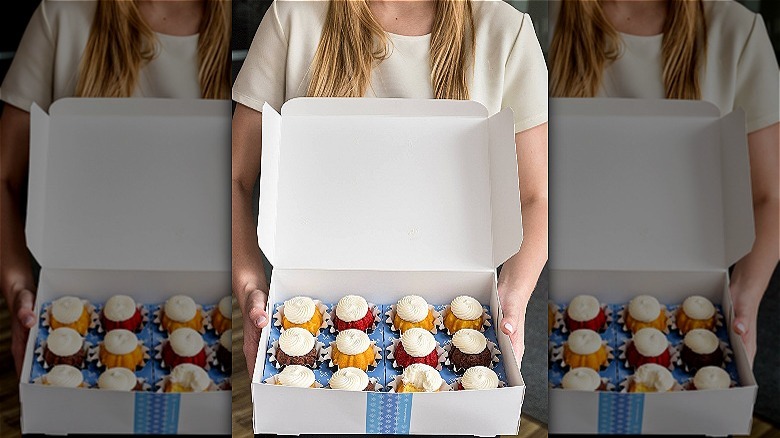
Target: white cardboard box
<point>128,196</point>
<point>383,198</point>
<point>650,197</point>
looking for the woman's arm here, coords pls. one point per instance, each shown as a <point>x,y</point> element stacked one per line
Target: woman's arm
<point>16,278</point>
<point>249,283</point>
<point>521,272</point>
<point>752,273</point>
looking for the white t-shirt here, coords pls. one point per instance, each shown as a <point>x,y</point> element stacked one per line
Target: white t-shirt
<point>46,65</point>
<point>740,69</point>
<point>509,67</point>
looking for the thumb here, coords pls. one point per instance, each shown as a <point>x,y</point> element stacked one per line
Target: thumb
<point>23,307</point>
<point>741,326</point>
<point>255,304</point>
<point>509,324</point>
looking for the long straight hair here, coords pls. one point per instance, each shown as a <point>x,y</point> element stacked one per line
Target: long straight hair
<point>120,43</point>
<point>353,42</point>
<point>585,42</point>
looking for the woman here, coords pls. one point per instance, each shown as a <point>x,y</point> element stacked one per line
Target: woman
<point>445,49</point>
<point>99,48</point>
<point>716,51</point>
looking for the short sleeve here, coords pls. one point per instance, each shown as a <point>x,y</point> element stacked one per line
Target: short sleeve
<point>758,80</point>
<point>262,76</point>
<point>525,79</point>
<point>31,75</point>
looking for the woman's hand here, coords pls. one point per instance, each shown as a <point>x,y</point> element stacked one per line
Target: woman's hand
<point>21,304</point>
<point>513,304</point>
<point>255,318</point>
<point>746,304</point>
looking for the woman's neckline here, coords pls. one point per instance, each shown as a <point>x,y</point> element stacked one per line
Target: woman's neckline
<point>408,37</point>
<point>177,37</point>
<point>657,36</point>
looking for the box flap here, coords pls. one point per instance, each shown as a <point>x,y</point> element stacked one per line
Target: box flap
<point>394,184</point>
<point>649,185</point>
<point>130,184</point>
<point>504,198</point>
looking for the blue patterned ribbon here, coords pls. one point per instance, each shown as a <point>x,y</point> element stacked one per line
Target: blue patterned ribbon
<point>620,413</point>
<point>388,413</point>
<point>156,413</point>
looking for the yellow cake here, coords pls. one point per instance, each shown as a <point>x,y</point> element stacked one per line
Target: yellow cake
<point>584,348</point>
<point>180,311</point>
<point>353,348</point>
<point>413,311</point>
<point>221,316</point>
<point>464,313</point>
<point>696,312</point>
<point>69,312</point>
<point>302,312</point>
<point>121,348</point>
<point>645,311</point>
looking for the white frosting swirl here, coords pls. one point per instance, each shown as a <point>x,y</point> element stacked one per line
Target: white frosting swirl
<point>466,307</point>
<point>226,339</point>
<point>650,342</point>
<point>119,308</point>
<point>118,379</point>
<point>350,379</point>
<point>711,378</point>
<point>581,379</point>
<point>186,342</point>
<point>296,341</point>
<point>180,308</point>
<point>701,341</point>
<point>351,308</point>
<point>120,341</point>
<point>418,342</point>
<point>64,342</point>
<point>191,376</point>
<point>67,310</point>
<point>584,341</point>
<point>583,308</point>
<point>479,377</point>
<point>698,307</point>
<point>654,376</point>
<point>469,341</point>
<point>64,376</point>
<point>299,310</point>
<point>644,308</point>
<point>226,306</point>
<point>298,376</point>
<point>412,308</point>
<point>352,342</point>
<point>422,376</point>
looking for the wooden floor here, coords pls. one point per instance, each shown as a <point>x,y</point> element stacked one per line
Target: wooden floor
<point>242,410</point>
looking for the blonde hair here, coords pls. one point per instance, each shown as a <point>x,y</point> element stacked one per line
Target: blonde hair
<point>120,43</point>
<point>585,42</point>
<point>353,42</point>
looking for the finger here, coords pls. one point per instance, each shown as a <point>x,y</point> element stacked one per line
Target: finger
<point>509,325</point>
<point>256,302</point>
<point>23,304</point>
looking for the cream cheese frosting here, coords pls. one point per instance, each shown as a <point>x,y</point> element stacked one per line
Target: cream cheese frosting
<point>186,342</point>
<point>191,376</point>
<point>64,342</point>
<point>469,341</point>
<point>584,341</point>
<point>466,307</point>
<point>654,376</point>
<point>226,339</point>
<point>581,379</point>
<point>711,378</point>
<point>299,310</point>
<point>422,376</point>
<point>352,342</point>
<point>650,342</point>
<point>701,341</point>
<point>121,341</point>
<point>698,307</point>
<point>180,308</point>
<point>350,379</point>
<point>418,342</point>
<point>64,376</point>
<point>118,379</point>
<point>479,377</point>
<point>297,376</point>
<point>67,310</point>
<point>296,341</point>
<point>644,308</point>
<point>225,306</point>
<point>119,308</point>
<point>351,308</point>
<point>412,308</point>
<point>583,308</point>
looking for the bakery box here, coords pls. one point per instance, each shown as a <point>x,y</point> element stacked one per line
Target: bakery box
<point>128,196</point>
<point>651,197</point>
<point>384,198</point>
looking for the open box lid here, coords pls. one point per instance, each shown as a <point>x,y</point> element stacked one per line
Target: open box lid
<point>391,184</point>
<point>648,185</point>
<point>130,184</point>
